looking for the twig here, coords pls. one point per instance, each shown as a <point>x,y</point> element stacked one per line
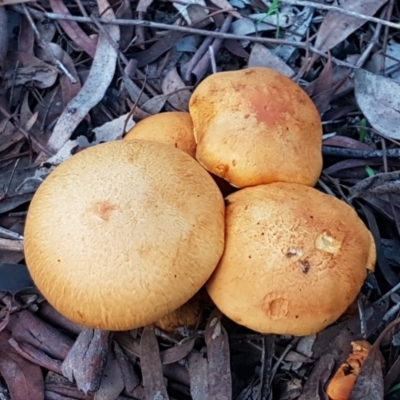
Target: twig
<point>186,29</point>
<point>354,153</point>
<point>45,45</point>
<point>325,7</point>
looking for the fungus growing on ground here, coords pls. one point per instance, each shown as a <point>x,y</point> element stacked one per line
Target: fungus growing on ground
<point>294,260</point>
<point>173,127</point>
<point>256,126</point>
<point>123,233</point>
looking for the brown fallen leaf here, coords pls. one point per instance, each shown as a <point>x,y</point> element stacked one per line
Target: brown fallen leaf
<point>380,184</point>
<point>219,377</point>
<point>26,38</point>
<point>150,364</point>
<point>24,379</point>
<point>225,5</point>
<point>124,11</point>
<point>371,90</point>
<point>337,26</point>
<point>92,92</point>
<point>171,83</point>
<point>73,30</point>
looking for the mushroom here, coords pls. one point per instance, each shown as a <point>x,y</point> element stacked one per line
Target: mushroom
<point>123,233</point>
<point>173,127</point>
<point>186,316</point>
<point>295,258</point>
<point>256,126</point>
<point>344,379</point>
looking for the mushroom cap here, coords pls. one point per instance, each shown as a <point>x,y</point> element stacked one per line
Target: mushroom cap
<point>173,127</point>
<point>256,126</point>
<point>123,233</point>
<point>294,259</point>
<point>186,316</point>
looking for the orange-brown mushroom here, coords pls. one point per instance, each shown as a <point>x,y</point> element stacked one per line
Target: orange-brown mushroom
<point>256,126</point>
<point>173,127</point>
<point>295,258</point>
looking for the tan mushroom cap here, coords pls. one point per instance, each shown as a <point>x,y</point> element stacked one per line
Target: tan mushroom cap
<point>294,259</point>
<point>123,233</point>
<point>173,127</point>
<point>256,126</point>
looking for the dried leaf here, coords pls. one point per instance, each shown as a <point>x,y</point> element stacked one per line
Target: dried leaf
<point>371,90</point>
<point>3,38</point>
<point>24,379</point>
<point>377,185</point>
<point>369,384</point>
<point>125,12</point>
<point>92,92</point>
<point>73,30</point>
<point>26,37</point>
<point>150,363</point>
<point>198,373</point>
<point>39,76</point>
<point>143,5</point>
<point>91,348</point>
<point>8,134</point>
<point>252,25</point>
<point>219,373</point>
<point>184,9</point>
<point>261,56</point>
<point>171,83</point>
<point>301,25</point>
<point>337,26</point>
<point>112,383</point>
<point>176,353</point>
<point>321,89</point>
<point>346,142</point>
<point>225,5</point>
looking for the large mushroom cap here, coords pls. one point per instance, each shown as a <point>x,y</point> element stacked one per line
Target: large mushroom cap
<point>256,126</point>
<point>123,233</point>
<point>173,127</point>
<point>294,259</point>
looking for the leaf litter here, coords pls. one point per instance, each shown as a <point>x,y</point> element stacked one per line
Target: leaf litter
<point>69,84</point>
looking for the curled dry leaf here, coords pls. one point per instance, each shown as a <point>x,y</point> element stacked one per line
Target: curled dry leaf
<point>337,26</point>
<point>3,38</point>
<point>125,12</point>
<point>112,383</point>
<point>92,92</point>
<point>171,83</point>
<point>342,382</point>
<point>372,90</point>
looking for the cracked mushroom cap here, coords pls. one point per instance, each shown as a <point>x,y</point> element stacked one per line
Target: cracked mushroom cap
<point>123,233</point>
<point>256,126</point>
<point>294,259</point>
<point>173,127</point>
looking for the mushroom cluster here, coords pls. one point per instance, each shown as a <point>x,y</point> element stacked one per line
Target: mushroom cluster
<point>295,258</point>
<point>125,233</point>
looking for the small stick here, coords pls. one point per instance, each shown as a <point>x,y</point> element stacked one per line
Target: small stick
<point>354,153</point>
